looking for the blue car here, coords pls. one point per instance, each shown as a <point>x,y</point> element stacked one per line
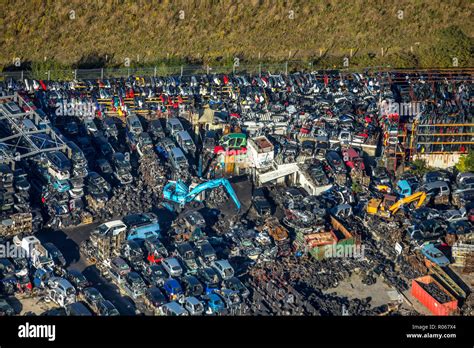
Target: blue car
<point>434,255</point>
<point>215,303</point>
<point>173,289</point>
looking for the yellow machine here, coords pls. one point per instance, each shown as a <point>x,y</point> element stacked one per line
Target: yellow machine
<point>417,196</point>
<point>384,208</point>
<point>377,206</point>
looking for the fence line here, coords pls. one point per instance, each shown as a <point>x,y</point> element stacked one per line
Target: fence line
<point>189,70</point>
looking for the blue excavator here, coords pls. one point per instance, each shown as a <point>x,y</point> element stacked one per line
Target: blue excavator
<point>178,192</point>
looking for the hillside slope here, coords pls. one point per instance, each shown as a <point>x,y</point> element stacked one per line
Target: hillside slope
<point>427,33</point>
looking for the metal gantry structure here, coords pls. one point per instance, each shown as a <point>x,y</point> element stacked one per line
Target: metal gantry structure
<point>18,140</point>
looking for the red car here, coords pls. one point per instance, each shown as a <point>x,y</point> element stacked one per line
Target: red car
<point>470,215</point>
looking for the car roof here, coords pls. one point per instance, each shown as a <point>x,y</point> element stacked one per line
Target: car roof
<point>184,135</point>
<point>177,152</point>
<point>192,300</point>
<point>174,121</point>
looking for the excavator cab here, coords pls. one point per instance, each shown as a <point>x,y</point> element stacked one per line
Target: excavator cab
<point>381,207</point>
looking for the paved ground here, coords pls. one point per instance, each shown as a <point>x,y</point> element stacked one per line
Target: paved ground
<point>68,242</point>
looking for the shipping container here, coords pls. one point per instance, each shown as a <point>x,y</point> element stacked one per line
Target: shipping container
<point>435,307</point>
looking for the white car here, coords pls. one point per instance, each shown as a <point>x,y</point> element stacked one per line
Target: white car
<point>112,227</point>
<point>224,269</point>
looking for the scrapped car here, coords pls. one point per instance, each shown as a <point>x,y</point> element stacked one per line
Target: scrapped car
<point>77,279</point>
<point>192,286</point>
<point>260,202</point>
<point>173,289</point>
<point>154,299</point>
<point>224,268</point>
<point>105,308</point>
<point>92,297</point>
<point>172,266</point>
<point>236,284</point>
<point>434,255</point>
<point>193,306</point>
<point>173,309</point>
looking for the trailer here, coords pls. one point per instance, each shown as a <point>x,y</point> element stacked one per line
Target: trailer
<point>434,296</point>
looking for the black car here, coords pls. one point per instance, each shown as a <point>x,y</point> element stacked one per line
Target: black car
<point>154,246</point>
<point>59,161</point>
<point>380,176</point>
<point>460,227</point>
<point>71,128</point>
<point>55,254</point>
<point>194,219</point>
<point>86,147</point>
<point>317,173</point>
<point>155,129</point>
<point>209,141</point>
<point>307,147</point>
<point>426,230</point>
<point>438,175</point>
<point>95,179</point>
<point>5,308</point>
<point>209,277</point>
<point>105,308</point>
<point>77,279</point>
<point>235,284</point>
<point>104,167</point>
<point>6,267</point>
<point>103,147</point>
<point>77,309</point>
<point>132,251</point>
<point>92,297</point>
<point>335,162</point>
<point>21,181</point>
<point>154,274</point>
<point>192,286</point>
<point>260,202</point>
<point>154,298</point>
<point>206,252</point>
<point>109,127</point>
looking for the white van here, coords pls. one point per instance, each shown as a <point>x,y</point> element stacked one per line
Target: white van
<point>439,188</point>
<point>178,160</point>
<point>185,141</point>
<point>173,126</point>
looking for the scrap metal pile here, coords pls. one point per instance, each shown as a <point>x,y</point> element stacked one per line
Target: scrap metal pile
<point>133,156</point>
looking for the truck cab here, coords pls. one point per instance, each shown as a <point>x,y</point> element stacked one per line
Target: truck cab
<point>404,188</point>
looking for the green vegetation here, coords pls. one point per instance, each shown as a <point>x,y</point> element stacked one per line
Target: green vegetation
<point>419,167</point>
<point>356,187</point>
<point>318,33</point>
<point>466,162</point>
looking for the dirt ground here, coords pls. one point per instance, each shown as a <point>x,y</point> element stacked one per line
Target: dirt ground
<point>354,288</point>
<point>36,305</point>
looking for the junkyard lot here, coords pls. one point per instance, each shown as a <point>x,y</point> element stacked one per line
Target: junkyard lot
<point>68,241</point>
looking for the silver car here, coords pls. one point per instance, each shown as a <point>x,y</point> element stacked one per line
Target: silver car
<point>172,266</point>
<point>193,306</point>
